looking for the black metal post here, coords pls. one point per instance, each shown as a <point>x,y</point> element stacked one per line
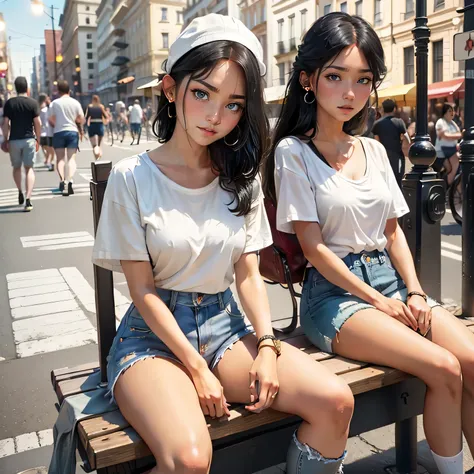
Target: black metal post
<point>467,169</point>
<point>425,194</point>
<point>54,44</point>
<point>405,441</point>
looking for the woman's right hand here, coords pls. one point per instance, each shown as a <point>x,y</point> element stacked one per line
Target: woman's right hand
<point>396,309</point>
<point>210,393</point>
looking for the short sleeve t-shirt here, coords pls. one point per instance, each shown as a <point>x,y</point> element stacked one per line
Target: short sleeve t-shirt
<point>66,110</point>
<point>448,127</point>
<point>46,129</point>
<point>389,129</point>
<point>352,213</point>
<point>189,235</point>
<point>21,111</point>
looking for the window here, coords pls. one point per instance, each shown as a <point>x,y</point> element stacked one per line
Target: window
<point>91,86</point>
<point>91,76</point>
<point>88,20</point>
<point>90,56</point>
<point>438,4</point>
<point>409,9</point>
<point>89,36</point>
<point>409,61</point>
<point>281,69</point>
<point>438,61</point>
<point>280,29</point>
<point>303,21</point>
<point>378,13</point>
<point>359,8</point>
<point>179,17</point>
<point>87,9</point>
<point>291,19</point>
<point>164,14</point>
<point>90,65</point>
<point>89,45</point>
<point>165,38</point>
<point>327,9</point>
<point>344,7</point>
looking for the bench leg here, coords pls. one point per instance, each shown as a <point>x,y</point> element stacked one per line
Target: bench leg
<point>406,447</point>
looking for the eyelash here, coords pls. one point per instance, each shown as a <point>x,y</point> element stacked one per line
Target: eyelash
<point>197,91</point>
<point>368,79</point>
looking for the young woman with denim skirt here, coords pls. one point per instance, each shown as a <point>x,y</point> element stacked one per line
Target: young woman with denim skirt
<point>182,222</point>
<point>336,190</point>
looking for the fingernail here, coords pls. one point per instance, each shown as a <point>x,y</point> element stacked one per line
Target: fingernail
<point>251,398</point>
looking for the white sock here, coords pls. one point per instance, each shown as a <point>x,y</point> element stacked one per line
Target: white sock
<point>449,465</point>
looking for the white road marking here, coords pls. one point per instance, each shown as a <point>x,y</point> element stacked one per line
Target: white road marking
<point>43,309</point>
<point>449,246</point>
<point>59,241</point>
<point>9,197</point>
<point>451,255</point>
<point>121,147</point>
<point>25,442</point>
<point>28,301</point>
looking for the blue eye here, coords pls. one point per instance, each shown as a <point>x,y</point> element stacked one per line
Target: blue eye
<point>199,94</point>
<point>366,80</point>
<point>234,107</point>
<point>333,77</point>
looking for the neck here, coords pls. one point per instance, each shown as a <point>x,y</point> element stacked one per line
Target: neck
<point>387,114</point>
<point>329,129</point>
<point>23,94</point>
<point>186,151</point>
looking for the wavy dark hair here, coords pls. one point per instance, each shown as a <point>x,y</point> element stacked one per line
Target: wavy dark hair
<point>237,166</point>
<point>321,45</point>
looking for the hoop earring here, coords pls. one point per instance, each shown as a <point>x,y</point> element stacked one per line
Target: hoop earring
<point>236,141</point>
<point>308,90</point>
<point>169,115</point>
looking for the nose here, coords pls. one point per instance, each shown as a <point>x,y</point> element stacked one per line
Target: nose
<point>349,91</point>
<point>214,116</point>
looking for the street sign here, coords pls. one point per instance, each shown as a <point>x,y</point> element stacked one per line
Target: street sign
<point>464,46</point>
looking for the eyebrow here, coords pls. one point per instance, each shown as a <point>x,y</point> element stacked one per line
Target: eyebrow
<point>345,69</point>
<point>215,89</point>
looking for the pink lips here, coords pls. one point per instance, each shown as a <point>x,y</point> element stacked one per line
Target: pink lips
<point>208,131</point>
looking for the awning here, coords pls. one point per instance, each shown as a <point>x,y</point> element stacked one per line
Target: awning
<point>404,94</point>
<point>126,80</point>
<point>445,88</point>
<point>153,83</point>
<point>120,61</point>
<point>274,94</point>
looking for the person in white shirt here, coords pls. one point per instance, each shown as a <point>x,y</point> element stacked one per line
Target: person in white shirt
<point>182,222</point>
<point>136,120</point>
<point>46,140</point>
<point>361,296</point>
<point>67,118</point>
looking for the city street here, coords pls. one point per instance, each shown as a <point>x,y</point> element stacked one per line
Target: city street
<point>47,317</point>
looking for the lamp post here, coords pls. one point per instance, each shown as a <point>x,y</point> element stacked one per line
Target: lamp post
<point>38,8</point>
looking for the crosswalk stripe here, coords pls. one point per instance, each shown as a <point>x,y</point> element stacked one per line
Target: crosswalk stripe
<point>451,255</point>
<point>38,238</point>
<point>449,246</point>
<point>59,241</point>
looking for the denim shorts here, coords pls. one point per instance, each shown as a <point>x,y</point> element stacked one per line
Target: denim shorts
<point>66,139</point>
<point>135,127</point>
<point>22,152</point>
<point>96,128</point>
<point>325,307</point>
<point>212,323</point>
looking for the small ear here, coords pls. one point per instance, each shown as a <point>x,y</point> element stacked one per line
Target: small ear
<point>304,79</point>
<point>169,87</point>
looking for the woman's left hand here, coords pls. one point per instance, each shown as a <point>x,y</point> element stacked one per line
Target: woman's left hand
<point>264,374</point>
<point>422,312</point>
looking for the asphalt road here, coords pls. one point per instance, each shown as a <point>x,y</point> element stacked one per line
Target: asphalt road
<point>50,248</point>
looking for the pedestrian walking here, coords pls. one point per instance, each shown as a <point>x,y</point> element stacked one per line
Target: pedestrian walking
<point>67,118</point>
<point>392,133</point>
<point>46,140</point>
<point>95,117</point>
<point>136,120</point>
<point>169,364</point>
<point>109,123</point>
<point>337,192</point>
<point>122,123</point>
<point>22,131</point>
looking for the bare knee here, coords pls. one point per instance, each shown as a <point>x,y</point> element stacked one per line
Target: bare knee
<point>336,410</point>
<point>192,458</point>
<point>445,374</point>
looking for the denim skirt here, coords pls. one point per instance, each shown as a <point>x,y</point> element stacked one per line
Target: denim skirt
<point>325,307</point>
<point>212,323</point>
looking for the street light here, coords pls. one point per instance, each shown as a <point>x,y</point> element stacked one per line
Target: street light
<point>2,25</point>
<point>37,8</point>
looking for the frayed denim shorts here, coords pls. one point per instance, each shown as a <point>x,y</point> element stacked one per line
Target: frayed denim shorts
<point>325,307</point>
<point>212,323</point>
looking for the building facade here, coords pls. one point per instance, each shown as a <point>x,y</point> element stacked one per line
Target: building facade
<point>195,8</point>
<point>6,73</point>
<point>52,70</point>
<point>43,75</point>
<point>79,51</point>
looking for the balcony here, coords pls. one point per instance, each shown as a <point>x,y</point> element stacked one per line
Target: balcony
<point>409,14</point>
<point>120,12</point>
<point>120,44</point>
<point>120,61</point>
<point>292,44</point>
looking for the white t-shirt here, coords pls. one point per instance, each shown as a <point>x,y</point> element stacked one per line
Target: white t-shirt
<point>45,126</point>
<point>136,114</point>
<point>190,235</point>
<point>66,110</point>
<point>352,214</point>
<point>448,127</point>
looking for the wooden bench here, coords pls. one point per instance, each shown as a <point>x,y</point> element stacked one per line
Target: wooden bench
<point>245,442</point>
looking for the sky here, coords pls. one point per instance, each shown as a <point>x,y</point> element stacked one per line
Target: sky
<point>25,31</point>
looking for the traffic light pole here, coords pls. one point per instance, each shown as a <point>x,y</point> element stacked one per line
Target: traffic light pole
<point>467,169</point>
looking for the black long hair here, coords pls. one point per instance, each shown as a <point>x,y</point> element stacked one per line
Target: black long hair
<point>321,45</point>
<point>237,166</point>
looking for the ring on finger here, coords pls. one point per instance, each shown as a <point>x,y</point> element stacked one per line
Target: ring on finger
<point>274,395</point>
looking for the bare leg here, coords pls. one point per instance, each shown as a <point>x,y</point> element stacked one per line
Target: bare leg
<point>17,177</point>
<point>307,389</point>
<point>61,164</point>
<point>364,337</point>
<point>452,334</point>
<point>71,163</point>
<point>454,165</point>
<point>156,394</point>
<point>29,181</point>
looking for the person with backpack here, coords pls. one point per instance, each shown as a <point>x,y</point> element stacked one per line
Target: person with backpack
<point>361,296</point>
<point>182,222</point>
